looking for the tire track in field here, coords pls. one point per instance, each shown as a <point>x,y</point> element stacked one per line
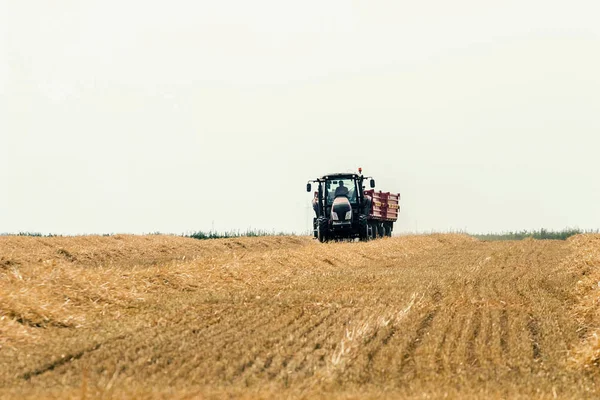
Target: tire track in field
<point>476,339</point>
<point>281,362</point>
<point>558,294</point>
<point>303,358</point>
<point>379,360</point>
<point>471,359</point>
<point>291,352</point>
<point>268,349</point>
<point>408,362</point>
<point>490,352</point>
<point>161,346</point>
<point>496,344</point>
<point>220,328</point>
<point>60,362</point>
<point>504,332</point>
<point>444,341</point>
<point>271,338</point>
<point>490,348</point>
<point>503,328</point>
<point>234,333</point>
<point>96,351</point>
<point>471,354</point>
<point>531,325</point>
<point>318,353</point>
<point>534,333</point>
<point>534,300</point>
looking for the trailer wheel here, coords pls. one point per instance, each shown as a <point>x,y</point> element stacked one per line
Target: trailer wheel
<point>372,231</point>
<point>322,230</point>
<point>388,229</point>
<point>380,230</point>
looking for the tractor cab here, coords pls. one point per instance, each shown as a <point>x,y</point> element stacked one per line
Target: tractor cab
<point>339,204</point>
<point>342,187</point>
<point>333,186</point>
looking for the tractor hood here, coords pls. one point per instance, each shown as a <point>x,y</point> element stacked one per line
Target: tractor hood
<point>341,210</point>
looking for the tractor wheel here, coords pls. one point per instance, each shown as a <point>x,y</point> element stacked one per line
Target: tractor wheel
<point>322,233</point>
<point>363,228</point>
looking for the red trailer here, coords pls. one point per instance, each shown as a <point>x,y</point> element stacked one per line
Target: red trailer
<point>383,212</point>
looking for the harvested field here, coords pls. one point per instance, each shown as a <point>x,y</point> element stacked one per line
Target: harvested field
<point>286,317</point>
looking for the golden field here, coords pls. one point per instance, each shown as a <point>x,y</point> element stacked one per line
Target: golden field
<point>438,316</point>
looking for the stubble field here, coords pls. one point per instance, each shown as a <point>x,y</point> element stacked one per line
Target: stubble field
<point>285,317</point>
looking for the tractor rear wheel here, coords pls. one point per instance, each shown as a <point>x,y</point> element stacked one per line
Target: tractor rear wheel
<point>322,231</point>
<point>363,228</point>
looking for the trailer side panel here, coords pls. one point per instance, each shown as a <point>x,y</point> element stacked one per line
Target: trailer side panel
<point>385,206</point>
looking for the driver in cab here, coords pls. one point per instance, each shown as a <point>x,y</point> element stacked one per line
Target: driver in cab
<point>341,190</point>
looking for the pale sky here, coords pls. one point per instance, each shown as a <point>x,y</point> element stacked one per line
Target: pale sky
<point>142,116</point>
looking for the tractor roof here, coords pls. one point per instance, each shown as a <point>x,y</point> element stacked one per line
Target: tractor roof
<point>340,175</point>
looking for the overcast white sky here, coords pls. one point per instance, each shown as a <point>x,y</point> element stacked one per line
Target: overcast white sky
<point>142,116</point>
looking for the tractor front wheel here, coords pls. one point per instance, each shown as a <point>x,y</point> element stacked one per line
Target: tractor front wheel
<point>322,230</point>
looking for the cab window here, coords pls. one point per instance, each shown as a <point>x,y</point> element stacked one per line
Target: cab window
<point>341,187</point>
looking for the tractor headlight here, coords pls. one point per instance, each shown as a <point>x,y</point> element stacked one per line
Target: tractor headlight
<point>349,215</point>
<point>334,216</point>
